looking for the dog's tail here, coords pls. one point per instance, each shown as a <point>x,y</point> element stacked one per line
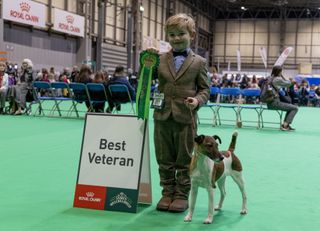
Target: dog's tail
<point>232,145</point>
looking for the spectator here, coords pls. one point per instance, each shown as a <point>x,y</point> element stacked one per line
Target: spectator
<point>119,77</point>
<point>20,90</point>
<point>84,77</point>
<point>99,78</point>
<point>74,73</point>
<point>278,82</point>
<point>4,83</point>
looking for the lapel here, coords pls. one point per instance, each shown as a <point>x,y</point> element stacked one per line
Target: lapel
<point>171,64</point>
<point>185,65</point>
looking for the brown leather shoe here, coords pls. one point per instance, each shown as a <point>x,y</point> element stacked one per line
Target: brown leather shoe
<point>178,206</point>
<point>164,203</point>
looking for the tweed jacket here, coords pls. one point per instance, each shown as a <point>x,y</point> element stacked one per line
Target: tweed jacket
<point>190,81</point>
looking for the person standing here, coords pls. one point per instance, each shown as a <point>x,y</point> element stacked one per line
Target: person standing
<point>184,83</point>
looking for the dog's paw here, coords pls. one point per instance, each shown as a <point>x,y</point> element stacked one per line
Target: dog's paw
<point>188,218</point>
<point>208,220</point>
<point>243,211</point>
<point>217,208</point>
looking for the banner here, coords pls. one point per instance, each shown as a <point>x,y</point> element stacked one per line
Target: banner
<point>24,11</point>
<point>67,22</point>
<point>114,168</point>
<point>148,63</point>
<point>282,58</point>
<point>263,54</point>
<point>239,60</point>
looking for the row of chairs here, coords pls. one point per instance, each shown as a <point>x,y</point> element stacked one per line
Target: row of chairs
<point>237,106</point>
<point>90,93</point>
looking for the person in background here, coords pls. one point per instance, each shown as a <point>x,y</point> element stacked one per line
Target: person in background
<point>84,77</point>
<point>278,82</point>
<point>74,73</point>
<point>183,80</point>
<point>20,90</point>
<point>303,93</point>
<point>119,77</point>
<point>99,78</point>
<point>4,84</point>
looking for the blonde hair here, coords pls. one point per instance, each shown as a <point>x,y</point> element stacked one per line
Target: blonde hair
<point>181,20</point>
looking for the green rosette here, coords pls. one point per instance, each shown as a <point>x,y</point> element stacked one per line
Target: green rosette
<point>148,63</point>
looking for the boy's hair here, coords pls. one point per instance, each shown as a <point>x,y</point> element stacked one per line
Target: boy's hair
<point>181,20</point>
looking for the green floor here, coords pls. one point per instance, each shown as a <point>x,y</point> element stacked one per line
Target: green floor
<point>40,156</point>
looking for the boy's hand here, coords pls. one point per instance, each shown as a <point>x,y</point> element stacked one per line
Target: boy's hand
<point>191,102</point>
<point>152,50</point>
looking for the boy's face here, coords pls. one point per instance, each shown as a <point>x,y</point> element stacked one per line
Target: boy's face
<point>179,38</point>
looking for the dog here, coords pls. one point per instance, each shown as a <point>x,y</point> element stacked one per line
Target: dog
<point>209,166</point>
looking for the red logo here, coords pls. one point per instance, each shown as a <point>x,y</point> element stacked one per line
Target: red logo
<point>286,52</point>
<point>70,19</point>
<point>25,6</point>
<point>92,197</point>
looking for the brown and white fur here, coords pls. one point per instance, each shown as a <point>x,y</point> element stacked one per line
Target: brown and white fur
<point>210,166</point>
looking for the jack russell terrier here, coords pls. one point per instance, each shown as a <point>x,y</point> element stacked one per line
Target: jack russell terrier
<point>209,165</point>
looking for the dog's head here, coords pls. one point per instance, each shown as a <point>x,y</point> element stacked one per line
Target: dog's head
<point>207,145</point>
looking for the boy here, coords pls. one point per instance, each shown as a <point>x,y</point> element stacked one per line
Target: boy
<point>183,80</point>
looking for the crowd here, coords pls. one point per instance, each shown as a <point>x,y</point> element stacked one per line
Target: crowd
<point>301,94</point>
<point>16,84</point>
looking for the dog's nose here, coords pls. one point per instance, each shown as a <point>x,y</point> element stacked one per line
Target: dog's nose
<point>199,139</point>
<point>221,158</point>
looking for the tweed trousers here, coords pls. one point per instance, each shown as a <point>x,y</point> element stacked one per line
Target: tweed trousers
<point>173,147</point>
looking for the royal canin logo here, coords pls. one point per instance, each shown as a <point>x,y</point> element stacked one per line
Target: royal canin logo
<point>70,19</point>
<point>25,6</point>
<point>90,197</point>
<point>90,194</point>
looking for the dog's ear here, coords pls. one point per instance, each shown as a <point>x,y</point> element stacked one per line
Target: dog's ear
<point>217,138</point>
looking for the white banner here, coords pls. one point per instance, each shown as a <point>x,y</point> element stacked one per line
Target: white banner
<point>263,54</point>
<point>239,60</point>
<point>68,23</point>
<point>282,58</point>
<point>25,11</point>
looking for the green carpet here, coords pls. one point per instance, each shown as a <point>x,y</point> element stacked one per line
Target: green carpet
<point>39,164</point>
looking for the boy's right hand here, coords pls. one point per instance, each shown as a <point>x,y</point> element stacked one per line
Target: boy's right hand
<point>152,50</point>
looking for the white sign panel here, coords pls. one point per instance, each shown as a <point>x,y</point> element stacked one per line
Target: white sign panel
<point>111,151</point>
<point>25,11</point>
<point>67,22</point>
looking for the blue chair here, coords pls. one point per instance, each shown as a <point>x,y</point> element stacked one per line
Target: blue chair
<point>62,93</point>
<point>80,94</point>
<point>97,94</point>
<point>254,93</point>
<point>214,98</point>
<point>231,94</point>
<point>120,94</point>
<point>42,92</point>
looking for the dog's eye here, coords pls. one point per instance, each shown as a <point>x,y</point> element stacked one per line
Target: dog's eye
<point>209,145</point>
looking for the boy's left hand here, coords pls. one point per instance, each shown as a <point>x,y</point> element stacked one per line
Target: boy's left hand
<point>191,102</point>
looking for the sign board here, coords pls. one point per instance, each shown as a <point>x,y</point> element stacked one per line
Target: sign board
<point>25,11</point>
<point>114,168</point>
<point>68,23</point>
